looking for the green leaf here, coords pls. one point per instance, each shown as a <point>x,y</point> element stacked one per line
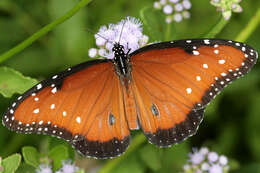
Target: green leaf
<point>12,81</point>
<point>11,163</point>
<point>175,157</point>
<point>25,168</point>
<point>58,154</point>
<point>53,142</point>
<point>150,155</point>
<point>153,25</point>
<point>129,165</point>
<point>31,156</point>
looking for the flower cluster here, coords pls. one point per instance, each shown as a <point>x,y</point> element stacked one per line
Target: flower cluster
<point>67,167</point>
<point>128,32</point>
<point>175,10</point>
<point>204,161</point>
<point>227,6</point>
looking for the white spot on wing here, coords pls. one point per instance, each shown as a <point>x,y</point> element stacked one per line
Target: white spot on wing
<point>64,113</point>
<point>198,78</point>
<point>78,119</point>
<point>39,86</point>
<point>54,90</point>
<point>54,77</point>
<point>188,90</point>
<point>223,74</point>
<point>195,52</point>
<point>52,106</point>
<point>206,41</point>
<point>222,61</point>
<point>205,66</point>
<point>36,111</point>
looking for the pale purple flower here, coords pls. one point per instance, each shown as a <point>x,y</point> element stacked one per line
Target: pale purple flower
<point>204,150</point>
<point>92,52</point>
<point>205,166</point>
<point>68,167</point>
<point>177,17</point>
<point>215,168</point>
<point>128,32</point>
<point>44,168</point>
<point>223,160</point>
<point>204,161</point>
<point>175,10</point>
<point>212,156</point>
<point>196,157</point>
<point>167,9</point>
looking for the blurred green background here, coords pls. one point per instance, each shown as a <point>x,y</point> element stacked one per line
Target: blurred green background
<point>232,121</point>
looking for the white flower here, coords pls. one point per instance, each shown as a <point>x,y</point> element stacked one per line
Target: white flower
<point>186,4</point>
<point>196,157</point>
<point>223,160</point>
<point>157,5</point>
<point>177,17</point>
<point>212,156</point>
<point>227,6</point>
<point>215,169</point>
<point>204,161</point>
<point>178,7</point>
<point>44,168</point>
<point>68,167</point>
<point>128,32</point>
<point>175,10</point>
<point>204,150</point>
<point>92,52</point>
<point>205,166</point>
<point>186,14</point>
<point>167,9</point>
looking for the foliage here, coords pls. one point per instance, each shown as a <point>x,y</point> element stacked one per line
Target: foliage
<point>231,125</point>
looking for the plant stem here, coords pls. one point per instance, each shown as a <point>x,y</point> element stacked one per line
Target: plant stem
<point>43,31</point>
<point>250,27</point>
<point>217,28</point>
<point>136,142</point>
<point>168,32</point>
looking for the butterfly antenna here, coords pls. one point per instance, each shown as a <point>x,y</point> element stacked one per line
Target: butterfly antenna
<point>121,31</point>
<point>99,35</point>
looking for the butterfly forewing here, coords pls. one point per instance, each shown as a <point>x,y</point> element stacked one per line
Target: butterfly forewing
<point>83,105</point>
<point>174,81</point>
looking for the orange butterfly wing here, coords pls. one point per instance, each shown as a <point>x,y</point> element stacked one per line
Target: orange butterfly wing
<point>83,105</point>
<point>174,81</point>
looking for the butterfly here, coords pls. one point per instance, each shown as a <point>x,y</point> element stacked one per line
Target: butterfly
<point>162,88</point>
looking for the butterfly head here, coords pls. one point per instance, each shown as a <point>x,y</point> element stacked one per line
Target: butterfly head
<point>118,50</point>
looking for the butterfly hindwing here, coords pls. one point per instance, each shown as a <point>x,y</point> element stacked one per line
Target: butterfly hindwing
<point>174,81</point>
<point>83,105</point>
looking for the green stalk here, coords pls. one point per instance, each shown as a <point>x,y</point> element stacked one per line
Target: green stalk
<point>217,28</point>
<point>43,31</point>
<point>250,27</point>
<point>168,32</point>
<point>136,142</point>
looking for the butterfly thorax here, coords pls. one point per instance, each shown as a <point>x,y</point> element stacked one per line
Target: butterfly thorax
<point>121,62</point>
